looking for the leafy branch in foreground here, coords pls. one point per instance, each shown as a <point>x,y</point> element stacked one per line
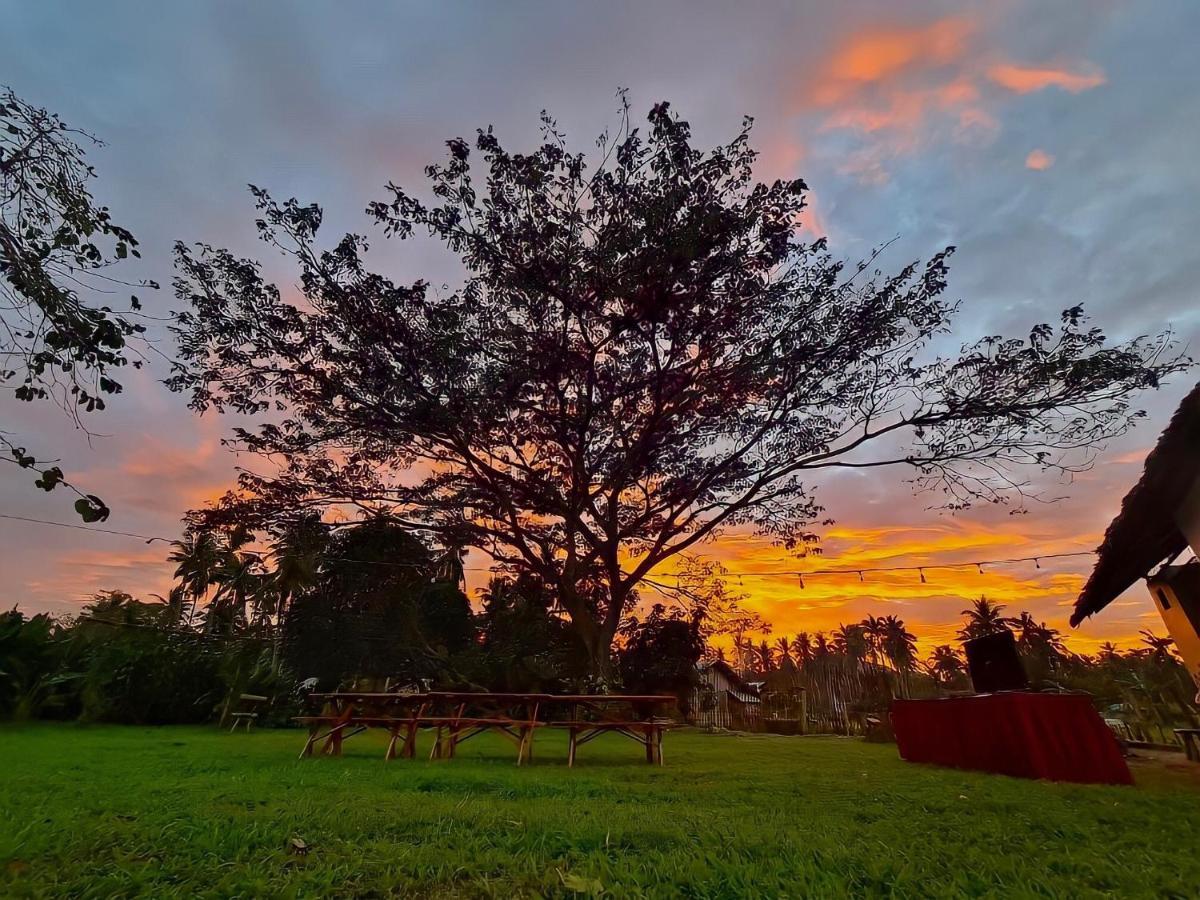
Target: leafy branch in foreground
<point>641,356</point>
<point>54,345</point>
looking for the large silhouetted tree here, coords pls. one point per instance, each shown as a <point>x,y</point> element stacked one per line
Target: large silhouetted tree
<point>641,354</point>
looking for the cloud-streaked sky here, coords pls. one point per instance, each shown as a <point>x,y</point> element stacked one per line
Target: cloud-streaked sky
<point>1052,143</point>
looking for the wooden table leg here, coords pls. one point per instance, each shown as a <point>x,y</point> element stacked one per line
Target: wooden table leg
<point>391,749</point>
<point>312,739</point>
<point>648,740</point>
<point>409,750</point>
<point>436,752</point>
<point>572,736</point>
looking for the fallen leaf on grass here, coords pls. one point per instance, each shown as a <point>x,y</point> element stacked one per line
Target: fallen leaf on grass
<point>298,846</point>
<point>580,884</point>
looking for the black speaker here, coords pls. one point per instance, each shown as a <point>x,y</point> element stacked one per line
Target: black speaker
<point>994,663</point>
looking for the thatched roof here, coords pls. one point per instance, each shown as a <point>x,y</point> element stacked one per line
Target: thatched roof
<point>1144,533</point>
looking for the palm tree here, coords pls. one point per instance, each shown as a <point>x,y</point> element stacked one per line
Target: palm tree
<point>944,664</point>
<point>240,580</point>
<point>1109,652</point>
<point>783,650</point>
<point>296,554</point>
<point>983,618</point>
<point>821,646</point>
<point>802,649</point>
<point>766,660</point>
<point>197,558</point>
<point>852,640</point>
<point>875,632</point>
<point>900,646</point>
<point>1159,647</point>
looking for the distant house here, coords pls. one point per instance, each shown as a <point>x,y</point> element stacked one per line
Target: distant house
<point>723,699</point>
<point>1159,520</point>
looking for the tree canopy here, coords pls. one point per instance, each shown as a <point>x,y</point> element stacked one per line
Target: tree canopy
<point>646,349</point>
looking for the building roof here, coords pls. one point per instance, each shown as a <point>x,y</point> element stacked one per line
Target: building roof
<point>1144,533</point>
<point>743,690</point>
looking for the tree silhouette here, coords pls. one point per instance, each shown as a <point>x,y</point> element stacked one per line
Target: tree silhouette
<point>945,665</point>
<point>983,618</point>
<point>641,355</point>
<point>54,243</point>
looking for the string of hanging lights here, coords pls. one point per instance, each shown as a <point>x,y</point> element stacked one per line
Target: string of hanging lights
<point>800,574</point>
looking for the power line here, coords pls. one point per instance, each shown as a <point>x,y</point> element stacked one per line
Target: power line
<point>145,537</point>
<point>801,574</point>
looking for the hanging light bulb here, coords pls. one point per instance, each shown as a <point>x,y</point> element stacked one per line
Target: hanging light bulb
<point>980,567</point>
<point>921,572</point>
<point>860,576</point>
<point>1037,562</point>
<point>801,582</point>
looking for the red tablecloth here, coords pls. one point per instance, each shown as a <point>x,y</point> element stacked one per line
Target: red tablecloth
<point>1056,736</point>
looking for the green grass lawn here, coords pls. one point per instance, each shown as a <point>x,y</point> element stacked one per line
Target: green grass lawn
<point>102,811</point>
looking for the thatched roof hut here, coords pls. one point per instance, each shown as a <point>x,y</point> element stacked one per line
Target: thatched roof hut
<point>1145,532</point>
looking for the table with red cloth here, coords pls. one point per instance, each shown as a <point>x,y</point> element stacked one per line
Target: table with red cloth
<point>1060,737</point>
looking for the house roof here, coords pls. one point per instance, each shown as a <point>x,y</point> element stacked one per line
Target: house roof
<point>1144,533</point>
<point>741,687</point>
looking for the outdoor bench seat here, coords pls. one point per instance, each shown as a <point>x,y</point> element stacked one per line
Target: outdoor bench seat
<point>604,723</point>
<point>475,720</point>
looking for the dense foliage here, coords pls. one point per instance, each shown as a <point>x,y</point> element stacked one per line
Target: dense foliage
<point>375,614</point>
<point>124,660</point>
<point>646,349</point>
<point>857,669</point>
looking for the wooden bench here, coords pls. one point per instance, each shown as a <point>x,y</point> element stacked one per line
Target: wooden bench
<point>647,732</point>
<point>246,715</point>
<point>458,716</point>
<point>1191,742</point>
<point>454,730</point>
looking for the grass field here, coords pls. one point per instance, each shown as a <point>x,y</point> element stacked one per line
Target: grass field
<point>122,811</point>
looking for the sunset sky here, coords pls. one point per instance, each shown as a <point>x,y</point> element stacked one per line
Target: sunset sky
<point>1054,144</point>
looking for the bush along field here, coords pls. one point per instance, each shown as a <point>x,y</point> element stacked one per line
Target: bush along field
<point>100,811</point>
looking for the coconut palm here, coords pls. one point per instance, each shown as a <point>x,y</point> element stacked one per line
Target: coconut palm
<point>1159,648</point>
<point>1109,652</point>
<point>983,618</point>
<point>240,580</point>
<point>783,650</point>
<point>765,659</point>
<point>802,649</point>
<point>197,558</point>
<point>944,665</point>
<point>296,554</point>
<point>900,647</point>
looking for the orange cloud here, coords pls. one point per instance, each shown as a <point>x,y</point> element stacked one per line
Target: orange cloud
<point>883,55</point>
<point>1027,79</point>
<point>78,573</point>
<point>899,88</point>
<point>1039,160</point>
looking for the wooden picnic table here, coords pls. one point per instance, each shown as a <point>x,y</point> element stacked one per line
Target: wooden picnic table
<point>458,716</point>
<point>347,713</point>
<point>591,715</point>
